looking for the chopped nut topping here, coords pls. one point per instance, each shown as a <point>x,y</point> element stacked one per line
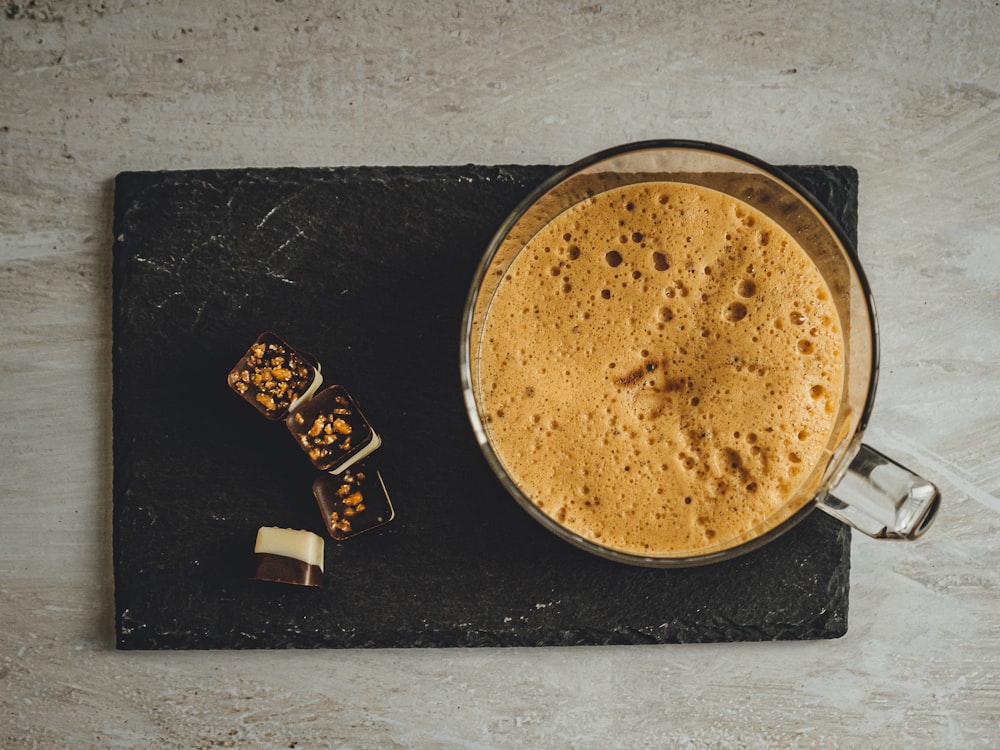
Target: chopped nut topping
<point>271,376</point>
<point>327,431</point>
<point>341,524</point>
<point>344,498</point>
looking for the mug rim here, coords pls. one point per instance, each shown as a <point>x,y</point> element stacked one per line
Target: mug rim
<point>465,350</point>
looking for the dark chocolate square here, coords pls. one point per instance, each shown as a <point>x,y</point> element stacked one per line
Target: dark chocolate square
<point>272,376</point>
<point>352,502</point>
<point>331,429</point>
<point>369,268</point>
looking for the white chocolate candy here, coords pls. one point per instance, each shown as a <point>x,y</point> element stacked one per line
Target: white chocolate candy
<point>303,546</point>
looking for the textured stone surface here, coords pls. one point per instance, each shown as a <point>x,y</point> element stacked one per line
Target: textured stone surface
<point>368,269</point>
<point>905,92</point>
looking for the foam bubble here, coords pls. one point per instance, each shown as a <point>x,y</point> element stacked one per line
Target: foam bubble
<point>736,311</point>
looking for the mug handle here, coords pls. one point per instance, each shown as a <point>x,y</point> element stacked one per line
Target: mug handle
<point>882,499</point>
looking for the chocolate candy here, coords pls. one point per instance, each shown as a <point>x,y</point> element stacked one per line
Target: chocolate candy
<point>274,378</point>
<point>332,431</point>
<point>289,556</point>
<point>352,502</point>
<point>280,383</point>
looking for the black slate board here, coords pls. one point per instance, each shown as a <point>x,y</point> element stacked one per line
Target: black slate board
<point>368,268</point>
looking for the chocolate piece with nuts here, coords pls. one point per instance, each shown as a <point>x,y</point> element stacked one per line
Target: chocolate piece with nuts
<point>353,502</point>
<point>273,377</point>
<point>332,431</point>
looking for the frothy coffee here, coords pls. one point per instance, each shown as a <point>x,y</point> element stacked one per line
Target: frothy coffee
<point>661,368</point>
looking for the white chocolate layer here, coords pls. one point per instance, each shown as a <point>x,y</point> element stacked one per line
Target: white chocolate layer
<point>294,543</point>
<point>375,442</point>
<point>310,391</point>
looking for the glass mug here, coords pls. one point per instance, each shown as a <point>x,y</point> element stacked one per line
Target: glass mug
<point>852,482</point>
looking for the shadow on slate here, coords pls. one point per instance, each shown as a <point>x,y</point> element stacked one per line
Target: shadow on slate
<point>368,269</point>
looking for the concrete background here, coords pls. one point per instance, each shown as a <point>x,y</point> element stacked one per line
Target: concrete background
<point>908,92</point>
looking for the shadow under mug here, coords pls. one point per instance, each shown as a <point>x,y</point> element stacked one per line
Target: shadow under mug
<point>855,483</point>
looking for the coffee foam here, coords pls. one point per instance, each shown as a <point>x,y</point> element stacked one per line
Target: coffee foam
<point>661,369</point>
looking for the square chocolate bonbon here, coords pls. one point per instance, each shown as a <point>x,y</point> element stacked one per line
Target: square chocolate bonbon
<point>289,556</point>
<point>353,502</point>
<point>273,377</point>
<point>332,431</point>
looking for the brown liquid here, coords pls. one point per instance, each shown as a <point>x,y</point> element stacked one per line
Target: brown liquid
<point>661,369</point>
